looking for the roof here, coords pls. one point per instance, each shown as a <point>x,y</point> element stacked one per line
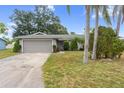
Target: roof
<point>60,37</point>
<point>2,39</point>
<point>121,38</point>
<point>39,33</point>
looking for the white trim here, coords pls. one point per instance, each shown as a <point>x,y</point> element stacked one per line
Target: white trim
<point>39,33</point>
<point>21,43</point>
<point>52,45</point>
<point>22,46</point>
<point>35,39</point>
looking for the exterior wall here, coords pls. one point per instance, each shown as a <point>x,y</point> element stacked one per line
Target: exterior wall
<point>2,44</point>
<point>54,42</point>
<point>60,45</point>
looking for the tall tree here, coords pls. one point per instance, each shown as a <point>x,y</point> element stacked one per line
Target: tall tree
<point>43,17</point>
<point>24,21</point>
<point>86,44</point>
<point>106,17</point>
<point>39,20</point>
<point>96,32</point>
<point>119,12</point>
<point>57,28</point>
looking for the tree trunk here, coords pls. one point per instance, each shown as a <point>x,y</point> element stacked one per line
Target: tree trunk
<point>118,23</point>
<point>86,46</point>
<point>95,33</point>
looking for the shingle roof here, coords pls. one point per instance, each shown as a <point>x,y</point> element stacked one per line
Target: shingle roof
<point>60,37</point>
<point>2,39</point>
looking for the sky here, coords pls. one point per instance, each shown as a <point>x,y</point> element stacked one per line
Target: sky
<point>75,22</point>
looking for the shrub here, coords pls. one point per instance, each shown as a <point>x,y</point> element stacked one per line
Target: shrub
<point>80,42</point>
<point>73,45</point>
<point>17,46</point>
<point>118,47</point>
<point>66,45</point>
<point>77,42</point>
<point>108,45</point>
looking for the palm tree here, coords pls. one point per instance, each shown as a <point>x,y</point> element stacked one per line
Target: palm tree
<point>119,12</point>
<point>105,14</point>
<point>2,28</point>
<point>86,45</point>
<point>96,32</point>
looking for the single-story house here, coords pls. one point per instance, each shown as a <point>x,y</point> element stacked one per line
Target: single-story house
<point>2,44</point>
<point>40,42</point>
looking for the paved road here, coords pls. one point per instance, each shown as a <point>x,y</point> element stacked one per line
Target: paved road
<point>22,71</point>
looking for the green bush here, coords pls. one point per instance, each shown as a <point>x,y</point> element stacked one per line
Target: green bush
<point>55,49</point>
<point>17,46</point>
<point>118,47</point>
<point>80,41</point>
<point>73,45</point>
<point>108,45</point>
<point>66,45</point>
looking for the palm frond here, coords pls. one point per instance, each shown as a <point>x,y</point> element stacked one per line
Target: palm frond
<point>92,8</point>
<point>106,15</point>
<point>115,10</point>
<point>68,9</point>
<point>100,8</point>
<point>122,13</point>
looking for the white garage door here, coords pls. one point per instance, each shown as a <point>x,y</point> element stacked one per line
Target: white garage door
<point>37,46</point>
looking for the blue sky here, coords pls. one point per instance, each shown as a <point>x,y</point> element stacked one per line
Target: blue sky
<point>75,22</point>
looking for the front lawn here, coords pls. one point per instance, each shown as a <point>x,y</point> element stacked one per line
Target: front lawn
<point>6,53</point>
<point>67,70</point>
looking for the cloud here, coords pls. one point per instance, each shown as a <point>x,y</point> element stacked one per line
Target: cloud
<point>110,11</point>
<point>1,35</point>
<point>51,7</point>
<point>79,33</point>
<point>94,16</point>
<point>10,29</point>
<point>121,34</point>
<point>11,24</point>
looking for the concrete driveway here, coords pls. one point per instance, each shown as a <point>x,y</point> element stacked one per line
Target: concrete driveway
<point>22,71</point>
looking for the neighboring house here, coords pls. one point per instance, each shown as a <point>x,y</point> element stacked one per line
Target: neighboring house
<point>40,42</point>
<point>121,38</point>
<point>2,44</point>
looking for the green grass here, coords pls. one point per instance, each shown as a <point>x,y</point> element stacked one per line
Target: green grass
<point>6,53</point>
<point>67,70</point>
